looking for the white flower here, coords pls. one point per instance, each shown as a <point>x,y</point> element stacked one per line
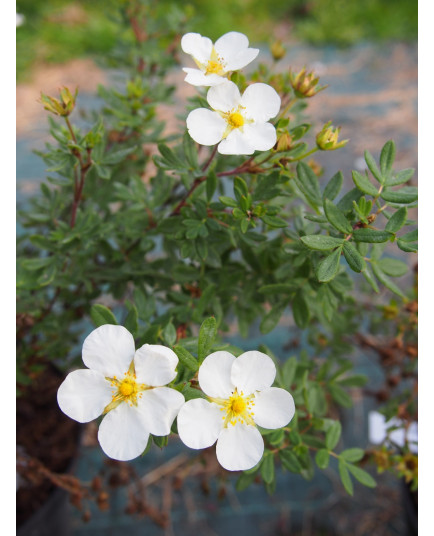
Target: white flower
<point>240,397</point>
<point>238,122</point>
<point>229,53</point>
<point>125,385</point>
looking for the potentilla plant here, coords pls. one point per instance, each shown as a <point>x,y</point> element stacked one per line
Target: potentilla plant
<point>167,244</point>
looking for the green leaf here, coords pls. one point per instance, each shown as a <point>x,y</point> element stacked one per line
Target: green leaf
<point>186,358</point>
<point>387,158</point>
<point>346,203</point>
<point>267,468</point>
<point>211,185</point>
<point>401,177</point>
<point>37,263</point>
<point>393,267</point>
<point>277,288</point>
<point>352,455</point>
<point>371,236</point>
<point>244,481</point>
<point>333,434</point>
<point>397,220</point>
<point>333,186</point>
<point>345,477</point>
<point>411,236</point>
<point>355,261</point>
<point>300,310</point>
<point>161,441</point>
<point>274,221</point>
<point>290,461</point>
<point>101,315</point>
<point>270,320</point>
<point>288,371</point>
<point>321,242</point>
<point>308,183</point>
<point>190,393</point>
<point>190,150</point>
<point>364,184</point>
<point>322,458</point>
<point>336,217</point>
<point>207,335</point>
<point>362,476</point>
<point>131,321</point>
<point>369,276</point>
<point>228,201</point>
<point>328,267</point>
<point>405,195</point>
<point>340,396</point>
<point>169,334</point>
<point>370,161</point>
<point>383,278</point>
<point>407,247</point>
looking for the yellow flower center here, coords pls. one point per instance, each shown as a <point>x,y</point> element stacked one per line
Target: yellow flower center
<point>236,408</point>
<point>127,387</point>
<point>236,120</point>
<point>125,390</point>
<point>214,67</point>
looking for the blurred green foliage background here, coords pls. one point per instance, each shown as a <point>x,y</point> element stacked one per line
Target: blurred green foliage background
<point>59,30</point>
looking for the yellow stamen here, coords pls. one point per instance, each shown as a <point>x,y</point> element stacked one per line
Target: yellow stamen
<point>236,120</point>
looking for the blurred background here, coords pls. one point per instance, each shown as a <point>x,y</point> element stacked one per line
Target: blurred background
<point>367,53</point>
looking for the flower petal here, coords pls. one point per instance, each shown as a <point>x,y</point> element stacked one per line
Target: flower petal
<point>205,127</point>
<point>262,136</point>
<point>158,408</point>
<point>224,97</point>
<point>84,394</point>
<point>230,44</point>
<point>262,102</point>
<point>198,78</point>
<point>197,46</point>
<point>253,371</point>
<point>273,408</point>
<point>155,365</point>
<point>241,59</point>
<point>215,375</point>
<point>239,447</point>
<point>236,143</point>
<point>122,434</point>
<point>109,349</point>
<point>199,423</point>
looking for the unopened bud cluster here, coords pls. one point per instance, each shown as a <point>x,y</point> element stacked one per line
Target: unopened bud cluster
<point>305,84</point>
<point>62,107</point>
<point>327,138</point>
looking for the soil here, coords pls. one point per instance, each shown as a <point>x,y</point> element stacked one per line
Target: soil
<point>44,434</point>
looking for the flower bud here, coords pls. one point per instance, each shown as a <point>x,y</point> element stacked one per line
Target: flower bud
<point>305,84</point>
<point>62,107</point>
<point>277,50</point>
<point>284,141</point>
<point>327,139</point>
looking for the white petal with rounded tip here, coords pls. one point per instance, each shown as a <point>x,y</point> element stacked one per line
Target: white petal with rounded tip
<point>159,408</point>
<point>155,365</point>
<point>231,44</point>
<point>84,394</point>
<point>215,375</point>
<point>122,434</point>
<point>199,423</point>
<point>224,97</point>
<point>236,143</point>
<point>109,349</point>
<point>253,371</point>
<point>241,59</point>
<point>262,136</point>
<point>273,408</point>
<point>239,447</point>
<point>262,102</point>
<point>197,46</point>
<point>205,127</point>
<point>198,78</point>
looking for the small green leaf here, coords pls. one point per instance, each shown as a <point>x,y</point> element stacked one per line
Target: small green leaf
<point>411,236</point>
<point>406,195</point>
<point>352,455</point>
<point>401,177</point>
<point>101,315</point>
<point>131,321</point>
<point>328,267</point>
<point>393,267</point>
<point>270,320</point>
<point>362,476</point>
<point>277,288</point>
<point>321,242</point>
<point>267,468</point>
<point>345,477</point>
<point>244,481</point>
<point>300,310</point>
<point>336,217</point>
<point>333,186</point>
<point>186,358</point>
<point>397,220</point>
<point>211,185</point>
<point>169,334</point>
<point>407,247</point>
<point>322,458</point>
<point>340,396</point>
<point>274,221</point>
<point>371,236</point>
<point>387,158</point>
<point>288,371</point>
<point>355,261</point>
<point>333,434</point>
<point>346,203</point>
<point>364,184</point>
<point>228,201</point>
<point>383,278</point>
<point>308,183</point>
<point>290,461</point>
<point>207,335</point>
<point>369,276</point>
<point>370,161</point>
